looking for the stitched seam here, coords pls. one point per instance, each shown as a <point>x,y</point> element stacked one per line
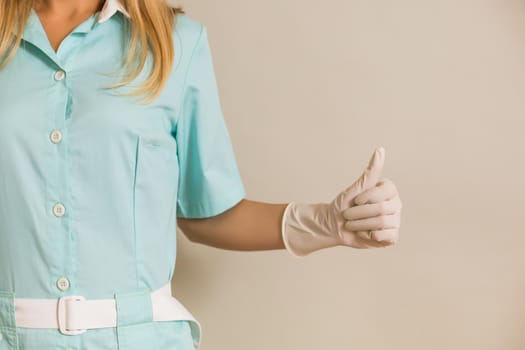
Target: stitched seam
<point>135,170</point>
<point>184,88</point>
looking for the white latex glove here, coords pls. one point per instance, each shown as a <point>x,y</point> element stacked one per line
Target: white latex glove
<point>365,215</point>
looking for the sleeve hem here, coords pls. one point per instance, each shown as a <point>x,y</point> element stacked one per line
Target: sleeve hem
<point>210,209</point>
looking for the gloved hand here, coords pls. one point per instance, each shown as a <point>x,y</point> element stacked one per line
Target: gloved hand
<point>365,215</point>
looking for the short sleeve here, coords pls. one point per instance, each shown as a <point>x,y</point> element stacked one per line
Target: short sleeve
<point>209,178</point>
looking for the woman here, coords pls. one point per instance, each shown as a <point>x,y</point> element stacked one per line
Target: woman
<point>94,181</point>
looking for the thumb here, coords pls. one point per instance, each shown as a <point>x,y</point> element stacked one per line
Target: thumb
<point>368,179</point>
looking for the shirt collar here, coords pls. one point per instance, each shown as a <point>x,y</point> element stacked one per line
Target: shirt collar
<point>110,8</point>
<point>33,31</point>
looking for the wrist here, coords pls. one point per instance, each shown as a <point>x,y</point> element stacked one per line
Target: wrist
<point>308,227</point>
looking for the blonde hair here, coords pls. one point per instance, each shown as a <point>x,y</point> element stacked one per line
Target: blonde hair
<point>151,24</point>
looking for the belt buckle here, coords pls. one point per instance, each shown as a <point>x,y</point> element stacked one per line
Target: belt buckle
<point>62,314</point>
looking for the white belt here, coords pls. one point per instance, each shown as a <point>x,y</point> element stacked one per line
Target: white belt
<point>74,314</point>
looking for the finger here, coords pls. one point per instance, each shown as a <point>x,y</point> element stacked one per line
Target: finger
<point>387,235</point>
<point>371,243</point>
<point>364,234</point>
<point>388,207</point>
<point>370,175</point>
<point>353,240</point>
<point>384,190</point>
<point>374,223</point>
<point>368,179</point>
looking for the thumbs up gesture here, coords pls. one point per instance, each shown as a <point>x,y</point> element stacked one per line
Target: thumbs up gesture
<point>367,214</point>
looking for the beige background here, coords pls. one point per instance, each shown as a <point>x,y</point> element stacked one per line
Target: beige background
<point>309,89</point>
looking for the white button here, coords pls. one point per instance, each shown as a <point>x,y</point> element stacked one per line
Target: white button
<point>60,74</point>
<point>63,283</point>
<point>56,136</point>
<point>58,209</point>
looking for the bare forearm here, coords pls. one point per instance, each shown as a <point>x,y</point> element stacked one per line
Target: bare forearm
<point>250,225</point>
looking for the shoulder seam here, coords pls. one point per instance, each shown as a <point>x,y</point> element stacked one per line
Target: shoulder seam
<point>185,79</point>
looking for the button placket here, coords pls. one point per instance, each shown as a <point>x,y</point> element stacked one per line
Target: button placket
<point>56,137</point>
<point>60,167</point>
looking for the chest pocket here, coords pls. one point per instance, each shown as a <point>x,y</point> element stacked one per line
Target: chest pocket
<point>154,207</point>
<point>155,180</point>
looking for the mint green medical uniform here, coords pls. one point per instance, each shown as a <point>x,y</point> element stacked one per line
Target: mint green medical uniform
<point>91,182</point>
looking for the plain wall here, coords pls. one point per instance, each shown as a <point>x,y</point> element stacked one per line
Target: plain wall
<point>308,90</point>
